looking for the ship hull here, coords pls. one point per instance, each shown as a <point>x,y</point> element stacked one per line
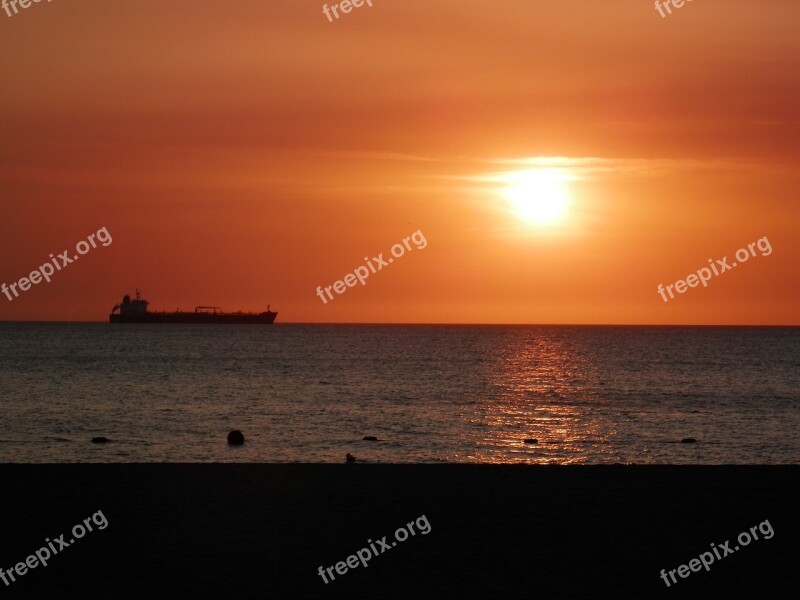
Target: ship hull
<point>179,318</point>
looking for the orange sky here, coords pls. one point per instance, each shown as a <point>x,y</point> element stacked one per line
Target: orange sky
<point>243,153</point>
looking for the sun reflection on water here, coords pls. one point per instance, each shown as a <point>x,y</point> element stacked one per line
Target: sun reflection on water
<point>546,390</point>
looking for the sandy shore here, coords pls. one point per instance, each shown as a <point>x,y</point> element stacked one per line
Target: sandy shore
<point>262,531</point>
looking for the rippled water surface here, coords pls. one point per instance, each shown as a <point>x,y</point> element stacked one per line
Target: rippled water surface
<point>310,393</point>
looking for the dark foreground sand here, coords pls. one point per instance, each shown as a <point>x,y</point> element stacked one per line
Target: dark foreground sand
<point>261,531</point>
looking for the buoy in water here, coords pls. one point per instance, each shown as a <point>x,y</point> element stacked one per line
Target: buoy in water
<point>236,438</point>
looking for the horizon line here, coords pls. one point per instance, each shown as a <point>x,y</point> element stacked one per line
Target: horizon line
<point>419,324</point>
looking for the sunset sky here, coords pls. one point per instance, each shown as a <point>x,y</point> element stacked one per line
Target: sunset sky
<point>245,152</point>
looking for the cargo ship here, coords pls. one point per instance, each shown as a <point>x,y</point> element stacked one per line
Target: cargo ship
<point>135,311</point>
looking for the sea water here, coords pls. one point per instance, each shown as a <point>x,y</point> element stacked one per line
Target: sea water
<point>311,393</point>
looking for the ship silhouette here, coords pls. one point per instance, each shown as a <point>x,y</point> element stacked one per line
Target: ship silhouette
<point>136,311</point>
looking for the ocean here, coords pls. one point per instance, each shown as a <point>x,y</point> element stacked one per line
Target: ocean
<point>311,393</point>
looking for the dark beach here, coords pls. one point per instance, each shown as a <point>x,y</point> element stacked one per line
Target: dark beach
<point>262,530</point>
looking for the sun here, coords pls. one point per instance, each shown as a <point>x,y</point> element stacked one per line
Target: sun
<point>538,196</point>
